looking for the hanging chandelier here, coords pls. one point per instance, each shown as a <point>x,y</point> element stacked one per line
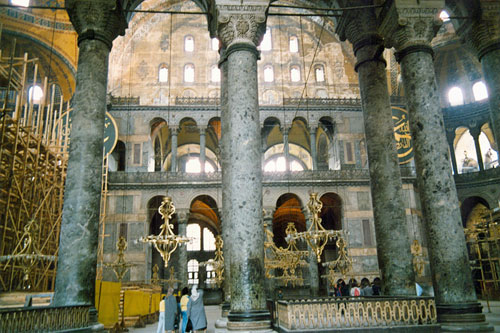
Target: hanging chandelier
<point>218,262</point>
<point>343,263</point>
<point>167,241</point>
<point>316,236</point>
<point>120,266</point>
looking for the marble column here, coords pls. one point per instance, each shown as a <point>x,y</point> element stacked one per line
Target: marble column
<point>482,34</point>
<point>267,217</point>
<point>314,155</point>
<point>225,143</point>
<point>475,132</point>
<point>202,148</point>
<point>286,148</point>
<point>393,244</point>
<point>313,261</point>
<point>240,34</point>
<point>450,137</point>
<point>182,274</point>
<point>97,24</point>
<point>173,158</point>
<point>410,31</point>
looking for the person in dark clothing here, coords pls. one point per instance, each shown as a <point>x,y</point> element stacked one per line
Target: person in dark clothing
<point>377,286</point>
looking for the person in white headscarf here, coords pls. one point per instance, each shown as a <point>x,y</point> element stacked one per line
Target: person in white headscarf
<point>196,310</point>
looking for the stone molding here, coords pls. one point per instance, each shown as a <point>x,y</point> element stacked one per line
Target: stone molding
<point>244,24</point>
<point>406,24</point>
<point>483,34</point>
<point>97,19</point>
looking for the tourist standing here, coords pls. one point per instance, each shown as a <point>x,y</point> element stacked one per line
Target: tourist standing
<point>184,303</point>
<point>196,311</point>
<point>170,311</point>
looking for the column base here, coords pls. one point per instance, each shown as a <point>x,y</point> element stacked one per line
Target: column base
<point>462,317</point>
<point>249,321</point>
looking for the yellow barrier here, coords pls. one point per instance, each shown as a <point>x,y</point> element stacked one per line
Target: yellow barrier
<point>107,302</point>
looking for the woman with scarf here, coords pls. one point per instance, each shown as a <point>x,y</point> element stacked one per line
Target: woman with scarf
<point>196,310</point>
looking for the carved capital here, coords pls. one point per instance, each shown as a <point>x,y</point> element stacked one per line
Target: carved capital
<point>241,24</point>
<point>101,20</point>
<point>268,214</point>
<point>182,216</point>
<point>410,23</point>
<point>482,34</point>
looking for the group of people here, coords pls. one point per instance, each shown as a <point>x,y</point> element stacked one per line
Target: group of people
<point>354,289</point>
<point>190,308</point>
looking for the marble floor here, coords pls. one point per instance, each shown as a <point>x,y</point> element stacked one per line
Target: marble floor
<point>213,313</point>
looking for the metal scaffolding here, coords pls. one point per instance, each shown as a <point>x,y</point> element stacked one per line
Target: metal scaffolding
<point>34,139</point>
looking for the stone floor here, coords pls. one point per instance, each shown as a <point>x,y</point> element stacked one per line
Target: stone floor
<point>213,313</point>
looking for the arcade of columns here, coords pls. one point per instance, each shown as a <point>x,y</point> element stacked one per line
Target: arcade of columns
<point>407,26</point>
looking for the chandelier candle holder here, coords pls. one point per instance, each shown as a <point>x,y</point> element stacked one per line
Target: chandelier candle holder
<point>342,265</point>
<point>316,236</point>
<point>167,241</point>
<point>120,266</point>
<point>218,262</point>
<point>418,258</point>
<point>287,259</point>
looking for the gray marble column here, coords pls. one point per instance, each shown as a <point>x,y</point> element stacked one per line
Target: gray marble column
<point>313,261</point>
<point>225,142</point>
<point>456,301</point>
<point>267,217</point>
<point>450,137</point>
<point>242,172</point>
<point>77,260</point>
<point>202,148</point>
<point>173,158</point>
<point>182,274</point>
<point>393,244</point>
<point>314,155</point>
<point>286,148</point>
<point>475,132</point>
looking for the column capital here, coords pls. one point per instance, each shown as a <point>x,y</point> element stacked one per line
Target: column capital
<point>409,26</point>
<point>182,215</point>
<point>482,33</point>
<point>102,20</point>
<point>360,28</point>
<point>203,129</point>
<point>267,213</point>
<point>475,131</point>
<point>241,24</point>
<point>174,129</point>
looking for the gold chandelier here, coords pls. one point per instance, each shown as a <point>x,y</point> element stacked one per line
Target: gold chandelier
<point>287,259</point>
<point>166,242</point>
<point>316,236</point>
<point>342,265</point>
<point>218,262</point>
<point>120,266</point>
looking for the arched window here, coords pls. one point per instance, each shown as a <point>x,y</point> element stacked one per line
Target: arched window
<point>35,94</point>
<point>215,44</point>
<point>319,71</point>
<point>294,44</point>
<point>480,91</point>
<point>268,73</point>
<point>193,268</point>
<point>210,274</point>
<point>444,16</point>
<point>193,231</point>
<point>295,73</point>
<point>267,43</point>
<point>23,3</point>
<point>189,73</point>
<point>455,96</point>
<point>208,240</point>
<point>215,74</point>
<point>163,73</point>
<point>189,43</point>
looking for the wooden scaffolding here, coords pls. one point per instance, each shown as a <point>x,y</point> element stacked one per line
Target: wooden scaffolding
<point>34,138</point>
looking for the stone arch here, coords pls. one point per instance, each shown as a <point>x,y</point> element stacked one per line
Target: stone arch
<point>331,213</point>
<point>288,209</point>
<point>204,210</point>
<point>469,210</point>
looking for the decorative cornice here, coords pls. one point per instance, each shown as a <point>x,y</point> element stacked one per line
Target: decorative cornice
<point>407,23</point>
<point>241,24</point>
<point>97,19</point>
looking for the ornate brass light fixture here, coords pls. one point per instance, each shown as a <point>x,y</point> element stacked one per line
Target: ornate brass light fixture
<point>316,236</point>
<point>218,262</point>
<point>342,265</point>
<point>120,266</point>
<point>418,258</point>
<point>288,260</point>
<point>166,242</point>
